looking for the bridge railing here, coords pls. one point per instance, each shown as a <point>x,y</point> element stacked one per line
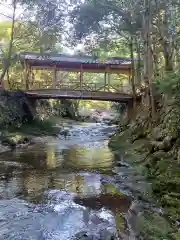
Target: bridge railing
<point>76,85</point>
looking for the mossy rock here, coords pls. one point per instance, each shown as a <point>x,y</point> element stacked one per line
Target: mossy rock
<point>120,222</point>
<point>171,199</point>
<point>165,145</point>
<point>176,236</point>
<point>152,226</point>
<point>165,184</point>
<point>138,135</point>
<point>159,155</point>
<point>174,214</point>
<point>14,140</point>
<point>158,134</point>
<point>155,157</point>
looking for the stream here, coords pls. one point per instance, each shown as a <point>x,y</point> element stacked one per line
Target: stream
<point>70,187</point>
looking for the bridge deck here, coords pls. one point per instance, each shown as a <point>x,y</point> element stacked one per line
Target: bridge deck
<point>76,94</point>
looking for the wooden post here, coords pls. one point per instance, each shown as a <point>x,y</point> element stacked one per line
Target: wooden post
<point>109,80</point>
<point>60,78</point>
<point>54,78</point>
<point>33,77</point>
<point>81,78</point>
<point>30,77</point>
<point>23,75</point>
<point>129,77</point>
<point>27,75</point>
<point>105,80</point>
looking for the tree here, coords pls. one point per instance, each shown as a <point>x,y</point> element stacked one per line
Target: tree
<point>40,33</point>
<point>9,53</point>
<point>159,36</point>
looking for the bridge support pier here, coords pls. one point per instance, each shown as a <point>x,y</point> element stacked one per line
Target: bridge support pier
<point>32,106</point>
<point>131,110</point>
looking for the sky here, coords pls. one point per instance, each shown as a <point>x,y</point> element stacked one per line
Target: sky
<point>6,10</point>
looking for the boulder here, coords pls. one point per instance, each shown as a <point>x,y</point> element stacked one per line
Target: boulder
<point>159,146</point>
<point>101,235</point>
<point>13,140</point>
<point>167,142</point>
<point>165,145</point>
<point>38,140</point>
<point>65,132</point>
<point>149,146</point>
<point>4,148</point>
<point>158,134</point>
<point>159,155</point>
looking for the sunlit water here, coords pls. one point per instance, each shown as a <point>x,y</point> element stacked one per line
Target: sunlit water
<point>59,189</point>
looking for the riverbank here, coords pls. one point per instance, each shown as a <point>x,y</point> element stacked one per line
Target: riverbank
<point>20,120</point>
<point>36,130</point>
<point>154,152</point>
<point>28,133</point>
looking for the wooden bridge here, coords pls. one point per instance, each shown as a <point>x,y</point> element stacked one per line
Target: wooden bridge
<point>66,77</point>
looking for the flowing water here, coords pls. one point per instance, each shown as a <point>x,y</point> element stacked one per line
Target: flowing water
<point>65,188</point>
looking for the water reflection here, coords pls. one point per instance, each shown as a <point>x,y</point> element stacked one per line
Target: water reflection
<point>42,167</point>
<point>76,166</point>
<point>93,158</point>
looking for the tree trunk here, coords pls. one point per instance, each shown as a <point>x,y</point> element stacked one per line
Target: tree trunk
<point>148,52</point>
<point>8,79</point>
<point>132,71</point>
<point>155,57</point>
<point>168,62</point>
<point>165,38</point>
<point>8,61</point>
<point>138,67</point>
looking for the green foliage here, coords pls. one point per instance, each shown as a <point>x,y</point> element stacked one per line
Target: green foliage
<point>169,85</point>
<point>93,16</point>
<point>169,88</point>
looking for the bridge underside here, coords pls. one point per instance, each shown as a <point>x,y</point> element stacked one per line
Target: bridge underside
<point>76,94</point>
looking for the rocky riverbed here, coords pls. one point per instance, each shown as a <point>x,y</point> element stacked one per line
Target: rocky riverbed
<point>73,187</point>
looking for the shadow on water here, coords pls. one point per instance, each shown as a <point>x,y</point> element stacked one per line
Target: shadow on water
<point>80,165</point>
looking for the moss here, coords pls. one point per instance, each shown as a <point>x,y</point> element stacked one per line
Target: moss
<point>36,128</point>
<point>176,236</point>
<point>151,226</point>
<point>110,188</point>
<point>120,222</point>
<point>14,136</point>
<point>13,140</point>
<point>161,168</point>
